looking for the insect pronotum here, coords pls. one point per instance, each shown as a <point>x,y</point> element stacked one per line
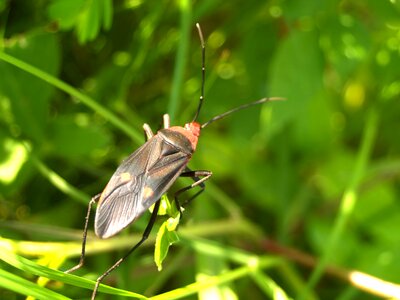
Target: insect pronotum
<point>148,173</point>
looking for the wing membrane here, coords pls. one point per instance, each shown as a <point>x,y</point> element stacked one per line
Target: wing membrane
<point>137,184</point>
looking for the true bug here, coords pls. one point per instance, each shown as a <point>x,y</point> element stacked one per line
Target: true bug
<point>148,173</point>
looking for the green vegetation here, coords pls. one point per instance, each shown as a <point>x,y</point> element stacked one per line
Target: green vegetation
<point>303,192</point>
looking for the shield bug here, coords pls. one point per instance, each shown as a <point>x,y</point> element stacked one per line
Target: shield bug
<point>148,173</point>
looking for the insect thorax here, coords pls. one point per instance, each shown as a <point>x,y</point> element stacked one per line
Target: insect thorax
<point>175,137</point>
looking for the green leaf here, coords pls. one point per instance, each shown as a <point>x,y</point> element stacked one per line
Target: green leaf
<point>296,73</point>
<point>164,206</point>
<point>107,10</point>
<point>73,139</point>
<point>310,139</point>
<point>29,96</point>
<point>87,16</point>
<point>334,174</point>
<point>88,25</point>
<point>13,156</point>
<point>166,236</point>
<point>65,12</point>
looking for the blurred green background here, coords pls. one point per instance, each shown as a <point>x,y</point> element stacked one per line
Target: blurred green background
<point>315,176</point>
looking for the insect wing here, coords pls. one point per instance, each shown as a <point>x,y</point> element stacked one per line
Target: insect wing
<point>137,184</point>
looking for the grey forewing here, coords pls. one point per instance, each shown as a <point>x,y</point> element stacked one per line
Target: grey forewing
<point>138,183</point>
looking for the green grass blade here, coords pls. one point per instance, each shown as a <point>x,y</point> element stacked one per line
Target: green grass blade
<point>28,266</point>
<point>108,115</point>
<point>22,286</point>
<point>59,182</point>
<point>268,286</point>
<point>348,201</point>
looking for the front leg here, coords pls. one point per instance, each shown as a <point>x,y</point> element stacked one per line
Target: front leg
<point>195,175</point>
<point>148,133</point>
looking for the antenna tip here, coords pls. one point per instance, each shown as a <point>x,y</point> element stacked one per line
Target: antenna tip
<point>277,99</point>
<point>200,35</point>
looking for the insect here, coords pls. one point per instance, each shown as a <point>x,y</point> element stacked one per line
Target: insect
<point>148,173</point>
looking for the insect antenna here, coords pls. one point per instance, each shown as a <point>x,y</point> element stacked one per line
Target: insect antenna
<point>244,106</point>
<point>203,71</point>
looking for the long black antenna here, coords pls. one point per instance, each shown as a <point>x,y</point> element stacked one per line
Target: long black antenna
<point>240,108</point>
<point>203,71</point>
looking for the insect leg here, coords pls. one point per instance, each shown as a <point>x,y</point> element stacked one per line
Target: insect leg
<point>166,121</point>
<point>198,182</point>
<point>148,133</point>
<point>144,237</point>
<point>85,229</point>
